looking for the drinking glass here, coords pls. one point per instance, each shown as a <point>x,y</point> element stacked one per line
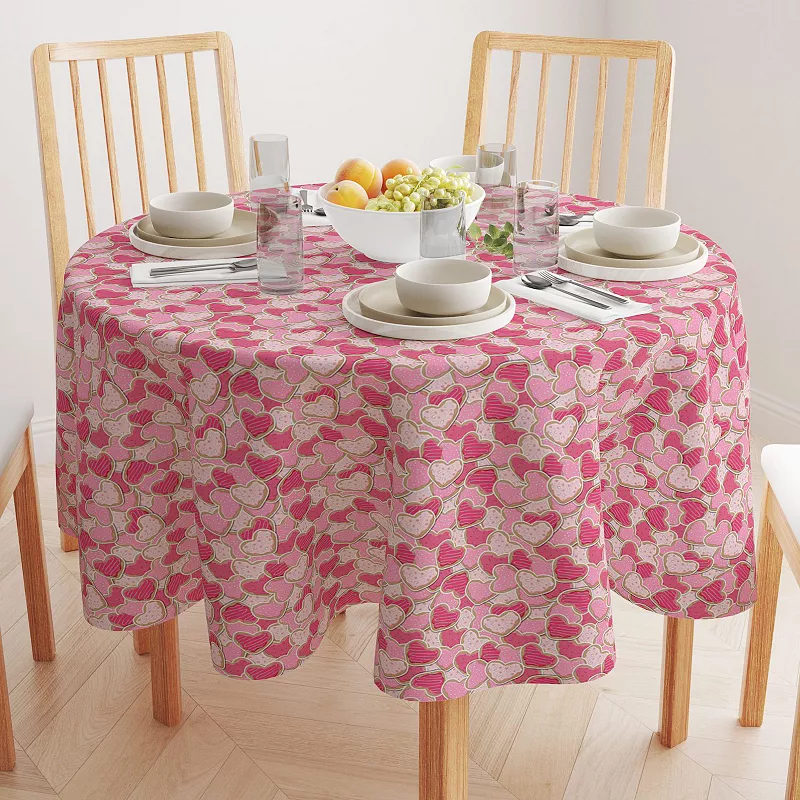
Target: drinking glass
<point>443,232</point>
<point>269,161</point>
<point>535,226</point>
<point>279,239</point>
<point>496,173</point>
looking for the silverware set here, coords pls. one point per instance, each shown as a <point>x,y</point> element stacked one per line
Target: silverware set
<point>234,266</point>
<point>307,207</point>
<point>548,280</point>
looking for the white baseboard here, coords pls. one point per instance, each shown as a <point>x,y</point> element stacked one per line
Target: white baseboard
<point>44,440</point>
<point>773,419</point>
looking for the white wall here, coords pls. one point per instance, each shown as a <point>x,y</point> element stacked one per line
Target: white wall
<point>734,161</point>
<point>340,77</point>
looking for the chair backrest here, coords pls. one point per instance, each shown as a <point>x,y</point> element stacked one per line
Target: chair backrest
<point>605,49</point>
<point>129,49</point>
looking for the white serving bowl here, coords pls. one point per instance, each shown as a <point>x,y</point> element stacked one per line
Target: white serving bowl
<point>636,231</point>
<point>443,286</point>
<point>392,237</point>
<point>461,163</point>
<point>191,215</point>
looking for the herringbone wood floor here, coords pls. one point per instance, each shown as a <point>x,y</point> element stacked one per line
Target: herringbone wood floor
<point>84,729</point>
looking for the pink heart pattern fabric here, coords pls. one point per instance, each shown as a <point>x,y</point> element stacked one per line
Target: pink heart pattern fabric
<point>261,455</point>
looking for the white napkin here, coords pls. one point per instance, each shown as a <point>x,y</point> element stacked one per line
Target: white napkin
<point>551,298</point>
<point>140,274</point>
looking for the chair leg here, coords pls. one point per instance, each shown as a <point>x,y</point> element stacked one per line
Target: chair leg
<point>69,544</point>
<point>165,672</point>
<point>8,755</point>
<point>141,641</point>
<point>676,681</point>
<point>34,566</point>
<point>793,778</point>
<point>762,625</point>
<point>443,749</point>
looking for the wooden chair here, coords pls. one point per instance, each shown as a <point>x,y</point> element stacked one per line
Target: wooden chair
<point>163,638</point>
<point>678,635</point>
<point>18,477</point>
<point>575,49</point>
<point>778,536</point>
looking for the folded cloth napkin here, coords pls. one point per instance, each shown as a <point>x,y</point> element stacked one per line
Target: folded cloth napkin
<point>140,275</point>
<point>551,298</point>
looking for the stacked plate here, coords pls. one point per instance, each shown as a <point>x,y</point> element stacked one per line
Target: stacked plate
<point>581,255</point>
<point>377,309</point>
<point>238,240</point>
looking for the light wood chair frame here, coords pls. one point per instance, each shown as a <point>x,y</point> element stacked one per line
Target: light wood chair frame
<point>163,639</point>
<point>604,49</point>
<point>776,540</point>
<point>19,479</point>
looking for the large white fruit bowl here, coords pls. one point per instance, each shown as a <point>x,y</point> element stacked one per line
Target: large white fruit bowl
<point>392,237</point>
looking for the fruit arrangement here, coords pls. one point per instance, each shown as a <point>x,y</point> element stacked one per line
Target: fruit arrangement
<point>400,185</point>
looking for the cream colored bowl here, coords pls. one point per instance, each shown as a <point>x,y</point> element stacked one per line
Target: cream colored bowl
<point>392,237</point>
<point>636,231</point>
<point>443,286</point>
<point>191,215</point>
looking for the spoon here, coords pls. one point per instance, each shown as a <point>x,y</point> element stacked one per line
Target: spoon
<point>241,265</point>
<point>567,220</point>
<point>534,281</point>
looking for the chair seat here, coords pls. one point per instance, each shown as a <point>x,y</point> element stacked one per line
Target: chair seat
<point>15,416</point>
<point>781,465</point>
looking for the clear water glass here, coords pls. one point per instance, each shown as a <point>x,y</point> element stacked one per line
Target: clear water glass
<point>496,173</point>
<point>279,240</point>
<point>535,226</point>
<point>269,161</point>
<point>443,232</point>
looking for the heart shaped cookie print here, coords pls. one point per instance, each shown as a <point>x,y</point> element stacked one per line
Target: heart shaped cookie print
<point>676,564</point>
<point>212,445</point>
<point>264,542</point>
<point>251,495</point>
<point>440,417</point>
<point>680,478</point>
<point>417,525</point>
<point>561,432</point>
<point>501,624</point>
<point>108,495</point>
<point>536,534</point>
<point>206,389</point>
<point>533,584</point>
<point>391,615</point>
<point>628,476</point>
<point>469,365</point>
<point>445,472</point>
<point>565,490</point>
<point>418,577</point>
<point>503,673</point>
<point>391,667</point>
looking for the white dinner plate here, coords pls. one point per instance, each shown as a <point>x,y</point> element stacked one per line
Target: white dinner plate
<point>424,333</point>
<point>380,301</point>
<point>181,252</point>
<point>630,274</point>
<point>581,246</point>
<point>242,229</point>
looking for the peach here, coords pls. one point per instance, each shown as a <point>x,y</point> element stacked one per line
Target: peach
<point>348,193</point>
<point>363,172</point>
<point>399,166</point>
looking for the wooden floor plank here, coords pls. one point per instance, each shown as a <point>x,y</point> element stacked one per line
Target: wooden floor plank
<point>48,687</point>
<point>82,724</point>
<point>494,719</point>
<point>355,630</point>
<point>125,756</point>
<point>670,774</point>
<point>25,778</point>
<point>737,759</point>
<point>745,789</point>
<point>541,758</point>
<point>240,779</point>
<point>189,763</point>
<point>612,738</point>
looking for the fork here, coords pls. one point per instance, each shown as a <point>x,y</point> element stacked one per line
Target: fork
<point>557,279</point>
<point>307,207</point>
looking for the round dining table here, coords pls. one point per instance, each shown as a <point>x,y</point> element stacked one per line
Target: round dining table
<point>261,454</point>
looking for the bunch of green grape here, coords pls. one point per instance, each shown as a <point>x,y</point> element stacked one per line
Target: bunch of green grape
<point>434,188</point>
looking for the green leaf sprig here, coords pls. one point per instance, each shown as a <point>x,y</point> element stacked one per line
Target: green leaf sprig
<point>496,240</point>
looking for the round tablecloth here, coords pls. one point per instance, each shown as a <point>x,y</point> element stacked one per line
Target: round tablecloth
<point>261,454</point>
